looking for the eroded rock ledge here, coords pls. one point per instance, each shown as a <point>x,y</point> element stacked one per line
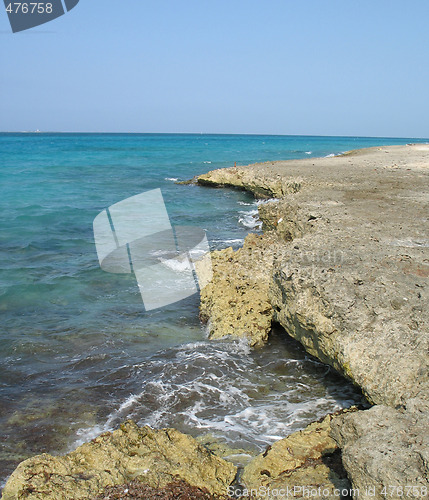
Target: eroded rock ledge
<point>345,258</point>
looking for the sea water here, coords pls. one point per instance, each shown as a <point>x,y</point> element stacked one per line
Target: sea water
<point>78,352</point>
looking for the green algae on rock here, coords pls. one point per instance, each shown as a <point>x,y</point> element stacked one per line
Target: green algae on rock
<point>154,457</point>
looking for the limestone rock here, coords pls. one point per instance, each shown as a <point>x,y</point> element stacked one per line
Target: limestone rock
<point>284,218</point>
<point>235,302</point>
<point>349,280</point>
<point>247,178</point>
<point>308,458</point>
<point>386,448</point>
<point>354,305</point>
<point>155,457</point>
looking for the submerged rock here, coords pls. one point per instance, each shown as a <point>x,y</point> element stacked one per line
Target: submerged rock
<point>306,460</point>
<point>154,457</point>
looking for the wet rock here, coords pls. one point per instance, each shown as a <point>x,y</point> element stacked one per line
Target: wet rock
<point>219,447</point>
<point>307,460</point>
<point>154,457</point>
<point>386,451</point>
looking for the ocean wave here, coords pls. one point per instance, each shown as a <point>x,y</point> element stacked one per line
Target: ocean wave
<point>228,241</point>
<point>228,389</point>
<point>172,179</point>
<point>177,264</point>
<point>264,202</point>
<point>250,220</point>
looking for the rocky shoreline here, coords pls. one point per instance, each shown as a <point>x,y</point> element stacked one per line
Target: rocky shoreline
<point>346,259</point>
<point>343,267</point>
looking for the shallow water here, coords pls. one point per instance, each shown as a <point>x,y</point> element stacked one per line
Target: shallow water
<point>79,353</point>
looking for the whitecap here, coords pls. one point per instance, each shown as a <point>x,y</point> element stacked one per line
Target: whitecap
<point>250,220</point>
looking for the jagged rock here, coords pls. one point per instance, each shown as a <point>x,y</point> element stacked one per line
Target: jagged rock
<point>247,178</point>
<point>284,218</point>
<point>306,459</point>
<point>235,302</point>
<point>388,449</point>
<point>155,457</point>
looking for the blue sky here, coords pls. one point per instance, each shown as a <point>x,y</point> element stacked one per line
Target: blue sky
<point>337,67</point>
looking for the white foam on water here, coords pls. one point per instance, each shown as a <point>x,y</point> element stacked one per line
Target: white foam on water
<point>264,202</point>
<point>228,389</point>
<point>308,152</point>
<point>232,240</point>
<point>335,154</point>
<point>159,253</point>
<point>250,219</point>
<point>84,435</point>
<point>227,242</point>
<point>3,483</point>
<point>178,265</point>
<point>172,179</point>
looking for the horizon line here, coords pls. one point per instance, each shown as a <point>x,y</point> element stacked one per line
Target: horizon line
<point>210,133</point>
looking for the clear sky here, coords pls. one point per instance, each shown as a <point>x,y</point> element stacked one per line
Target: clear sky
<point>331,67</point>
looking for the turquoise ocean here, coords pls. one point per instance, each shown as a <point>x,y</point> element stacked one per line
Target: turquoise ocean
<point>79,353</point>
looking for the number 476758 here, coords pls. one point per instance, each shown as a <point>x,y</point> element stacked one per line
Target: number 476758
<point>29,8</point>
